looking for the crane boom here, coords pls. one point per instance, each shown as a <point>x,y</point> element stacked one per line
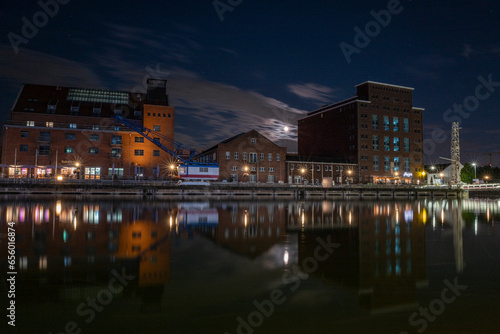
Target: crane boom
<point>204,167</point>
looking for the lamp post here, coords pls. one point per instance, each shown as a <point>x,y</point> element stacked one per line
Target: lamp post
<point>474,164</point>
<point>349,172</point>
<point>302,171</point>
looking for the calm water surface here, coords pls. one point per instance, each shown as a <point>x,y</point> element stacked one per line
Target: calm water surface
<point>133,266</point>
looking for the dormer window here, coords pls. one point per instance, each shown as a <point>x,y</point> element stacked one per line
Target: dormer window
<point>96,111</point>
<point>118,109</point>
<point>52,106</point>
<point>75,108</point>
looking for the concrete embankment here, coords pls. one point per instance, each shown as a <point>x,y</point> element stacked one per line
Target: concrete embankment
<point>227,191</point>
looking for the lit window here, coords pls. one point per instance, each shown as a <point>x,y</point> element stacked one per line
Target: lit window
<point>30,123</point>
<point>69,149</point>
<point>228,155</point>
<point>49,124</point>
<point>395,123</point>
<point>386,123</point>
<point>93,150</point>
<point>72,125</point>
<point>138,152</point>
<point>396,144</point>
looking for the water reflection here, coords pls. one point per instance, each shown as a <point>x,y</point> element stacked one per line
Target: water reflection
<point>65,246</point>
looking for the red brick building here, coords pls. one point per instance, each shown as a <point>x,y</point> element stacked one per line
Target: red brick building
<point>73,130</point>
<point>249,157</point>
<point>378,129</point>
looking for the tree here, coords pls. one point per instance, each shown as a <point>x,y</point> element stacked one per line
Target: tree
<point>467,173</point>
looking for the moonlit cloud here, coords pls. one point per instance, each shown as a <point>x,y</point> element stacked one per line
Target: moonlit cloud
<point>313,91</point>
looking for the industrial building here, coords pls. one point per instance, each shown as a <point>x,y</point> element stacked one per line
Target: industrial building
<point>74,131</point>
<point>378,129</point>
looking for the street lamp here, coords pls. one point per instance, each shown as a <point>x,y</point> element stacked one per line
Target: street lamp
<point>474,164</point>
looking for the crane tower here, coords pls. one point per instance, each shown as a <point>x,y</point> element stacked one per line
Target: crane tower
<point>455,153</point>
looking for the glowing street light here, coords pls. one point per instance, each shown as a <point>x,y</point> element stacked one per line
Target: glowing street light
<point>474,164</point>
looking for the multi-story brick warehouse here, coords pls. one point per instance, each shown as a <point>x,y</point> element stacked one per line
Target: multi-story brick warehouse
<point>74,130</point>
<point>249,157</point>
<point>379,129</point>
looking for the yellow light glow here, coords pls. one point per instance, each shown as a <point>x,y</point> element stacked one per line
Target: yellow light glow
<point>58,207</point>
<point>424,215</point>
<point>285,257</point>
<point>59,177</point>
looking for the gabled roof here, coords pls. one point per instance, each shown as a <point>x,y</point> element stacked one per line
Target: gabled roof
<point>230,139</point>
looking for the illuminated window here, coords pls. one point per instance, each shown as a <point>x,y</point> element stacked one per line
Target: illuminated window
<point>138,152</point>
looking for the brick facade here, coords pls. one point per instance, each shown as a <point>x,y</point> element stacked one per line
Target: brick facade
<point>249,157</point>
<point>48,122</point>
<point>379,129</point>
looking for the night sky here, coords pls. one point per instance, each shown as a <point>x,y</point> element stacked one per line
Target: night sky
<point>263,64</point>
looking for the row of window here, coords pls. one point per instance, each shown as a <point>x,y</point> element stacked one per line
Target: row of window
<point>115,153</point>
<point>160,115</point>
<point>387,143</point>
<point>318,167</point>
<point>395,164</point>
<point>252,157</point>
<point>75,126</point>
<point>116,139</point>
<point>252,169</point>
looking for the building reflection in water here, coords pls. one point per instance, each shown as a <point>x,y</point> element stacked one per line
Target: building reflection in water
<point>382,248</point>
<point>74,246</point>
<point>65,246</point>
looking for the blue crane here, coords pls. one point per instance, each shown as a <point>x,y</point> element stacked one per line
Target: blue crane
<point>201,166</point>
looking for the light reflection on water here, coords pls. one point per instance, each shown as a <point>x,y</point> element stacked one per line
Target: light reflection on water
<point>65,246</point>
